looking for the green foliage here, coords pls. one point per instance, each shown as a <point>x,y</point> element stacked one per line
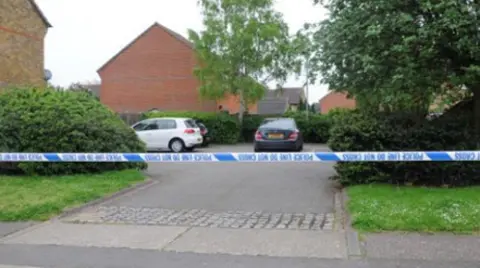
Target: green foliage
<point>397,54</point>
<point>303,106</point>
<point>245,45</point>
<point>315,129</point>
<point>46,120</point>
<point>337,113</point>
<point>357,131</point>
<point>249,127</point>
<point>223,128</point>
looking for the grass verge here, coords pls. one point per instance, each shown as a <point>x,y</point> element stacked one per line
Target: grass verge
<point>375,208</point>
<point>40,198</point>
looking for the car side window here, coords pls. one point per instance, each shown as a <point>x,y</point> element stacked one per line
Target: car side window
<point>140,126</point>
<point>151,126</point>
<point>167,124</point>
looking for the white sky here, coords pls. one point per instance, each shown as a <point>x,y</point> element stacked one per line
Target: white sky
<point>87,33</point>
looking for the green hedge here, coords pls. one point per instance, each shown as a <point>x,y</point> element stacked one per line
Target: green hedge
<point>250,126</point>
<point>47,120</point>
<point>315,129</point>
<point>223,128</point>
<point>356,131</point>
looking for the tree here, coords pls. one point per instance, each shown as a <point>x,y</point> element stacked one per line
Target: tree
<point>244,46</point>
<point>400,54</point>
<point>80,87</point>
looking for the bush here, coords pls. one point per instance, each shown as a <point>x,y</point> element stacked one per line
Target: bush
<point>250,126</point>
<point>45,120</point>
<point>315,129</point>
<point>224,128</point>
<point>355,131</point>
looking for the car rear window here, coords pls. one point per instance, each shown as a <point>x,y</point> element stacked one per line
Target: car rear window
<point>190,123</point>
<point>279,123</point>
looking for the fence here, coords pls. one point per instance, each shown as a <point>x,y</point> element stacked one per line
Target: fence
<point>130,118</point>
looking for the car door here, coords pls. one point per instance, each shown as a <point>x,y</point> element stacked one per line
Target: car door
<point>140,130</point>
<point>145,131</point>
<point>167,131</point>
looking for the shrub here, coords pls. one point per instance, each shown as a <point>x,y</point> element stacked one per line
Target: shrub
<point>249,126</point>
<point>223,127</point>
<point>45,120</point>
<point>315,129</point>
<point>356,131</point>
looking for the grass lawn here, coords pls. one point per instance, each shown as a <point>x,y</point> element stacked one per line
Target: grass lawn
<point>40,198</point>
<point>388,208</point>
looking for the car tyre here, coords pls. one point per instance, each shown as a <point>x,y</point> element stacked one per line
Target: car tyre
<point>300,148</point>
<point>256,150</point>
<point>177,146</point>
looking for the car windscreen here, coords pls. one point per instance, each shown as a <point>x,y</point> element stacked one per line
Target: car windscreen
<point>191,123</point>
<point>268,120</point>
<point>279,124</point>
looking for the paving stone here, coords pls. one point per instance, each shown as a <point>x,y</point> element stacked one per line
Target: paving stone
<point>203,218</point>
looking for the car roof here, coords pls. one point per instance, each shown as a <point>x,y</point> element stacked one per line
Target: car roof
<point>279,118</point>
<point>170,118</point>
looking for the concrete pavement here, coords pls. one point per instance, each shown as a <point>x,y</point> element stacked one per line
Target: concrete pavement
<point>52,256</point>
<point>7,228</point>
<point>438,247</point>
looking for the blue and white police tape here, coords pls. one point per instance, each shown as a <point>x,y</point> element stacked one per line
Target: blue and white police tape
<point>244,157</point>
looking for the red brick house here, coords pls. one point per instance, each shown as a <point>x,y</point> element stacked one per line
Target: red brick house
<point>335,100</point>
<point>154,71</point>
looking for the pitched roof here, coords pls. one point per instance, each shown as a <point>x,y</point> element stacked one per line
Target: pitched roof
<point>272,106</point>
<point>40,13</point>
<point>154,25</point>
<point>293,94</point>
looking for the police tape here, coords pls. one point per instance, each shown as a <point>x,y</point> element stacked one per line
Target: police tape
<point>245,157</point>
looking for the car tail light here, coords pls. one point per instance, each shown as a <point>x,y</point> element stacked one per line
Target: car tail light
<point>293,136</point>
<point>189,131</point>
<point>203,131</point>
<point>258,136</point>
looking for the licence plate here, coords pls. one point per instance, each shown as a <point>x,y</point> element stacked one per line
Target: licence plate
<point>275,136</point>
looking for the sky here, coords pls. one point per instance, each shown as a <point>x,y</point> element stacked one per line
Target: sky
<point>87,33</point>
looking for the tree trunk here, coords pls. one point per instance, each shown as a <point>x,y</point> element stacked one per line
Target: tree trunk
<point>242,109</point>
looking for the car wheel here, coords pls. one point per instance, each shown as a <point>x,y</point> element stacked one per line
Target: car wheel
<point>177,146</point>
<point>256,150</point>
<point>300,148</point>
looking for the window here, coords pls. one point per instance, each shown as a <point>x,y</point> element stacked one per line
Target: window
<point>151,126</point>
<point>280,123</point>
<point>190,124</point>
<point>167,124</point>
<point>140,126</point>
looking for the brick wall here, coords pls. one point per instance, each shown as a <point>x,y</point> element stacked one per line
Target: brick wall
<point>155,71</point>
<point>232,104</point>
<point>335,100</point>
<point>22,33</point>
